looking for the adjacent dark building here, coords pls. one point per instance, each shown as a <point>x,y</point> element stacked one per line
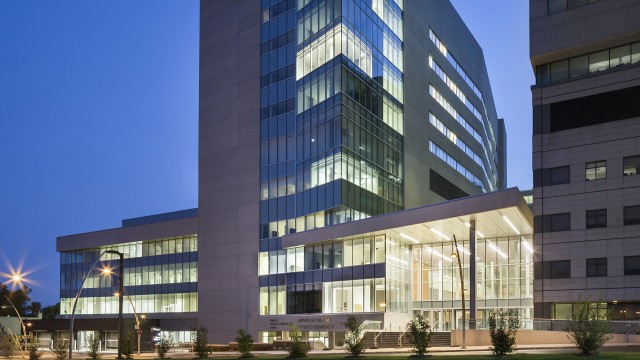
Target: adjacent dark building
<point>586,152</point>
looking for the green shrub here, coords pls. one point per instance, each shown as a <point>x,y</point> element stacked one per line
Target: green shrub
<point>419,335</point>
<point>298,348</point>
<point>199,339</point>
<point>589,327</point>
<point>163,346</point>
<point>34,354</point>
<point>245,344</point>
<point>354,343</point>
<point>7,346</point>
<point>61,351</point>
<point>93,346</point>
<point>503,326</point>
<point>128,346</point>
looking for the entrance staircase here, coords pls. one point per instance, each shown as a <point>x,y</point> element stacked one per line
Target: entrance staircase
<point>389,339</point>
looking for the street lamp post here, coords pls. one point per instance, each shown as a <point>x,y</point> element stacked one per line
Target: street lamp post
<point>75,303</point>
<point>135,315</point>
<point>139,330</point>
<point>464,317</point>
<point>120,300</point>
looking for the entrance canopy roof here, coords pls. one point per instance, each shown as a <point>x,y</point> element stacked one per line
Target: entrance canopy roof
<point>497,214</point>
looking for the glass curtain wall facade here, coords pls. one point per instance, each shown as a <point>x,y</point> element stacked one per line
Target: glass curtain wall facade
<point>340,277</point>
<point>504,279</point>
<point>331,140</point>
<point>458,95</point>
<point>160,276</point>
<point>331,118</point>
<point>332,151</point>
<point>384,274</point>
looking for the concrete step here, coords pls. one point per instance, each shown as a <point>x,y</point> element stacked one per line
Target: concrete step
<point>389,339</point>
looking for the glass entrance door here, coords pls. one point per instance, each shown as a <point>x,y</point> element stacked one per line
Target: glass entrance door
<point>440,320</point>
<point>458,321</point>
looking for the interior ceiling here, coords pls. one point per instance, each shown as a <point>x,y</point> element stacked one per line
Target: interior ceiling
<point>489,224</point>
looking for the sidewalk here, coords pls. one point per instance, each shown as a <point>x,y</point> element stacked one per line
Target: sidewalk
<point>478,350</point>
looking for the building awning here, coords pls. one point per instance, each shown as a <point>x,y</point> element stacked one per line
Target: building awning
<point>498,214</point>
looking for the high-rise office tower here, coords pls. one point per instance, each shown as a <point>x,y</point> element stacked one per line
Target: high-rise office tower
<point>586,154</point>
<point>315,113</point>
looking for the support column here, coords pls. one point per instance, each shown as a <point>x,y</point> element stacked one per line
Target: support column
<point>472,275</point>
<point>332,340</point>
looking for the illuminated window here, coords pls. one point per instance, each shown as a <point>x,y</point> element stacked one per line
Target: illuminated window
<point>596,170</point>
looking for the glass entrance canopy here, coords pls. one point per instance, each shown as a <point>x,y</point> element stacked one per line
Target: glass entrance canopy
<point>400,264</point>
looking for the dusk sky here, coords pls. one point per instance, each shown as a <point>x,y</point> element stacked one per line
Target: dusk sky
<point>99,115</point>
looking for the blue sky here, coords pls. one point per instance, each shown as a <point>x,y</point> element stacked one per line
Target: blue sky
<point>99,115</point>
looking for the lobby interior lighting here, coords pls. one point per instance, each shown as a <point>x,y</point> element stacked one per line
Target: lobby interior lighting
<point>437,253</point>
<point>440,234</point>
<point>526,244</point>
<point>464,250</point>
<point>405,236</point>
<point>391,257</point>
<point>506,219</point>
<point>495,248</point>
<point>468,224</point>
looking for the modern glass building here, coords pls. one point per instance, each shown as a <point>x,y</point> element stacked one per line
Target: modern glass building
<point>160,279</point>
<point>315,114</point>
<point>340,86</point>
<point>366,108</point>
<point>388,268</point>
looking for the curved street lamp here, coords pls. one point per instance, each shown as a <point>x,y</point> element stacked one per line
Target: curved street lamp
<point>456,255</point>
<point>120,290</point>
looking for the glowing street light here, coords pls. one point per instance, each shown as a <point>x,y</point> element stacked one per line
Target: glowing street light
<point>16,278</point>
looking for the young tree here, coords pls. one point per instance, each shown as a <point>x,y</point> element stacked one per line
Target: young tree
<point>590,326</point>
<point>245,344</point>
<point>34,354</point>
<point>503,326</point>
<point>354,343</point>
<point>163,346</point>
<point>199,339</point>
<point>127,348</point>
<point>419,335</point>
<point>61,351</point>
<point>298,348</point>
<point>93,347</point>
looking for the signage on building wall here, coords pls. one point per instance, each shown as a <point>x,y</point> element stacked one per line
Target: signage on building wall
<point>305,324</point>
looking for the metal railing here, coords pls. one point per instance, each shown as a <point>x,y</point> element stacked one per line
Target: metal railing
<point>402,334</point>
<point>617,326</point>
<point>375,338</point>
